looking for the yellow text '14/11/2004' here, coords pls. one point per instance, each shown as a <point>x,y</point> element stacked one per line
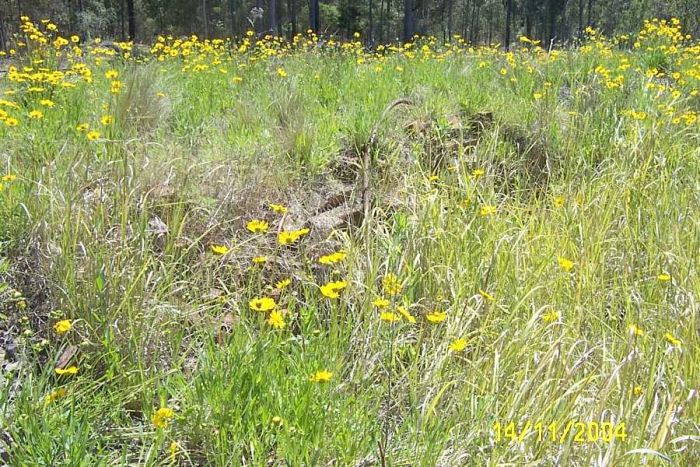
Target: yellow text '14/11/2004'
<point>555,432</point>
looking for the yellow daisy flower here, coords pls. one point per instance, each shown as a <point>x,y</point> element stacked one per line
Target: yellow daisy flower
<point>262,304</point>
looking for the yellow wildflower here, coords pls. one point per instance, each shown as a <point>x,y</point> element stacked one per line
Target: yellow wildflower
<point>283,284</point>
<point>289,237</point>
<point>551,316</point>
<point>332,289</point>
<point>220,249</point>
<point>389,317</point>
<point>322,376</point>
<point>391,284</point>
<point>406,315</point>
<point>276,320</point>
<point>458,345</point>
<point>63,326</point>
<point>162,417</point>
<point>54,395</point>
<point>672,339</point>
<point>565,264</point>
<point>336,257</point>
<point>487,210</point>
<point>279,208</point>
<point>262,304</point>
<point>277,421</point>
<point>380,302</point>
<point>486,296</point>
<point>71,370</point>
<point>436,317</point>
<point>257,226</point>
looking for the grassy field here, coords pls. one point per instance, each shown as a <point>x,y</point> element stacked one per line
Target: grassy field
<point>272,253</point>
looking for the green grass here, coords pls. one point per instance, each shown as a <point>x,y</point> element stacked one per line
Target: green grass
<point>116,234</point>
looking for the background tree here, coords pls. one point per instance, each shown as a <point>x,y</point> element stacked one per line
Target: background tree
<point>314,15</point>
<point>408,20</point>
<point>509,16</point>
<point>553,22</point>
<point>292,10</point>
<point>3,34</point>
<point>131,14</point>
<point>370,19</point>
<point>273,16</point>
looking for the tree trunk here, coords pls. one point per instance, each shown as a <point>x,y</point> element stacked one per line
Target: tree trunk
<point>471,23</point>
<point>551,28</point>
<point>408,21</point>
<point>205,19</point>
<point>388,20</point>
<point>564,27</point>
<point>450,11</point>
<point>131,15</point>
<point>273,17</point>
<point>71,16</point>
<point>528,25</point>
<point>312,21</point>
<point>580,17</point>
<point>490,21</point>
<point>232,17</point>
<point>259,22</point>
<point>3,39</point>
<point>317,16</point>
<point>314,16</point>
<point>371,23</point>
<point>465,26</point>
<point>381,22</point>
<point>590,13</point>
<point>443,20</point>
<point>509,14</point>
<point>292,10</point>
<point>122,25</point>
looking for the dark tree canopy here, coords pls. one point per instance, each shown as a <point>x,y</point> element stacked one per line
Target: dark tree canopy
<point>480,21</point>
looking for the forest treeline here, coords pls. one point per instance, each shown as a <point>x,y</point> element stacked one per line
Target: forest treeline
<point>378,21</point>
